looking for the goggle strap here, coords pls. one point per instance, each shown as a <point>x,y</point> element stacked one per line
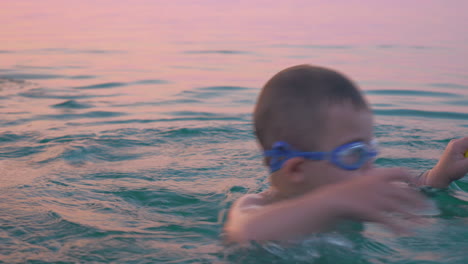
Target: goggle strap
<point>282,151</point>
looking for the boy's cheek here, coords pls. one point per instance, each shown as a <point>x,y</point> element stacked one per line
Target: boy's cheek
<point>367,167</point>
<point>339,175</point>
<point>323,174</point>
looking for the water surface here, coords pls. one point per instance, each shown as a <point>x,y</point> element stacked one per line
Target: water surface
<point>126,127</point>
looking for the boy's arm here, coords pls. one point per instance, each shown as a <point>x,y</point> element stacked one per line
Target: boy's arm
<point>452,165</point>
<point>364,198</point>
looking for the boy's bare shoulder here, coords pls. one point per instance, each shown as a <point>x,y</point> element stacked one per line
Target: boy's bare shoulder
<point>249,201</point>
<point>247,204</point>
<point>239,214</point>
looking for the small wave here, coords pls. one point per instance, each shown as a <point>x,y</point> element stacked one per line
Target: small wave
<point>201,94</point>
<point>420,113</point>
<point>72,104</point>
<point>125,142</point>
<point>20,66</point>
<point>67,138</point>
<point>92,114</point>
<point>411,92</point>
<point>159,103</point>
<point>215,52</point>
<point>245,101</point>
<point>394,46</point>
<point>197,68</point>
<point>19,152</point>
<point>382,105</point>
<point>14,84</point>
<point>78,51</point>
<point>79,155</point>
<point>223,88</point>
<point>160,197</point>
<point>413,162</point>
<point>463,102</point>
<point>373,247</point>
<point>59,94</point>
<point>154,81</point>
<point>214,92</point>
<point>181,101</point>
<point>82,77</point>
<point>313,46</point>
<point>31,76</point>
<point>36,76</point>
<point>162,120</point>
<point>191,113</point>
<point>66,116</point>
<point>175,133</point>
<point>120,84</point>
<point>102,85</point>
<point>36,67</point>
<point>10,137</point>
<point>448,85</point>
<point>94,51</point>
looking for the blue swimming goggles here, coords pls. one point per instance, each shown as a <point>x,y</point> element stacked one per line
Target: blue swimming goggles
<point>350,156</point>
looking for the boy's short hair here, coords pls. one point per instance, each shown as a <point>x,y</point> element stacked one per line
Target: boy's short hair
<point>292,105</point>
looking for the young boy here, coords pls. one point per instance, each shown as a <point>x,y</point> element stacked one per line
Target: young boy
<point>316,130</point>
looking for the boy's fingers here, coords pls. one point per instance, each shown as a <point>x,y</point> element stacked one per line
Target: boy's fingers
<point>409,197</point>
<point>390,223</point>
<point>460,144</point>
<point>464,164</point>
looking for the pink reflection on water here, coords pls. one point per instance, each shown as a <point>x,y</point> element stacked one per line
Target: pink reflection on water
<point>328,22</point>
<point>182,42</point>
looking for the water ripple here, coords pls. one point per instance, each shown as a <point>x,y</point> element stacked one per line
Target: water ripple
<point>30,76</point>
<point>40,93</point>
<point>20,152</point>
<point>72,104</point>
<point>313,46</point>
<point>78,155</point>
<point>8,137</point>
<point>92,114</point>
<point>102,85</point>
<point>218,91</point>
<point>421,113</point>
<point>75,51</point>
<point>120,84</point>
<point>416,47</point>
<point>64,116</point>
<point>215,52</point>
<point>144,121</point>
<point>224,88</point>
<point>448,85</point>
<point>412,93</point>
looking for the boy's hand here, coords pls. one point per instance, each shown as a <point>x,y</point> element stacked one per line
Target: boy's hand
<point>452,165</point>
<point>370,197</point>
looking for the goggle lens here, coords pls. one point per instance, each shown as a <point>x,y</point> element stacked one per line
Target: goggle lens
<point>353,156</point>
<point>356,154</point>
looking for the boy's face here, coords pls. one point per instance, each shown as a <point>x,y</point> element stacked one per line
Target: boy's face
<point>343,124</point>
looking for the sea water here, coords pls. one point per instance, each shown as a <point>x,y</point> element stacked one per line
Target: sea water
<point>126,130</point>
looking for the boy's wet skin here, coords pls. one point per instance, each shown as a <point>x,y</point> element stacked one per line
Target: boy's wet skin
<point>316,109</point>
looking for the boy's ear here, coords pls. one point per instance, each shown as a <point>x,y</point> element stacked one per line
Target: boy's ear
<point>294,169</point>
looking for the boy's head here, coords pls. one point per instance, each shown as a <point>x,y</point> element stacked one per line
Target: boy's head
<point>312,109</point>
